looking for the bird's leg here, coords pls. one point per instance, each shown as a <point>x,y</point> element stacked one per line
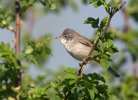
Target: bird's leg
<point>82,65</point>
<point>84,62</point>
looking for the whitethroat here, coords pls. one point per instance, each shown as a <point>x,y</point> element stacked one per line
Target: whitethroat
<point>78,46</point>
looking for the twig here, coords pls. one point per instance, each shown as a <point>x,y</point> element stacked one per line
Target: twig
<point>126,29</point>
<point>126,19</point>
<point>84,62</point>
<point>17,35</point>
<point>17,39</point>
<point>13,30</point>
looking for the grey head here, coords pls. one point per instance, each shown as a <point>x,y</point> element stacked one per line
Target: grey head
<point>67,35</point>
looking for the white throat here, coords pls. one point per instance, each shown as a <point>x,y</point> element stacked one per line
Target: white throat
<point>63,41</point>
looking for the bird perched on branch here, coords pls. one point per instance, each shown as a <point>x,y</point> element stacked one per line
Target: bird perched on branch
<point>78,46</point>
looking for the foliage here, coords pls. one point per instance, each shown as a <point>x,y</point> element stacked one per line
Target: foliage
<point>67,85</point>
<point>6,10</point>
<point>107,47</point>
<point>73,87</point>
<point>10,63</point>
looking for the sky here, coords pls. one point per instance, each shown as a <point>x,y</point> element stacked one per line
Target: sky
<point>56,23</point>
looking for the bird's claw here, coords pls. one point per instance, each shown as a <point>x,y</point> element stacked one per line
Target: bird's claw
<point>85,60</point>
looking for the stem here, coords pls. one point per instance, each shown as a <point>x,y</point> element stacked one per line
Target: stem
<point>17,41</point>
<point>17,35</point>
<point>85,60</point>
<point>126,20</point>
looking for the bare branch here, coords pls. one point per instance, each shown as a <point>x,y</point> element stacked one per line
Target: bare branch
<point>13,30</point>
<point>17,39</point>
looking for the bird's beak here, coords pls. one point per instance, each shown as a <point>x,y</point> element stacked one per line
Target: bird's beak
<point>59,37</point>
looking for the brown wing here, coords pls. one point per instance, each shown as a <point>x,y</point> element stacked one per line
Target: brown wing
<point>85,41</point>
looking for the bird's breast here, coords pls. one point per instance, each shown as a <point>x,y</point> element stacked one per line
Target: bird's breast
<point>77,50</point>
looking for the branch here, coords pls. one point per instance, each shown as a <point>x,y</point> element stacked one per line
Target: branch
<point>17,35</point>
<point>85,60</point>
<point>13,30</point>
<point>17,39</point>
<point>126,20</point>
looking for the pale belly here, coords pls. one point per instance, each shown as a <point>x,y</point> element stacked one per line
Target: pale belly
<point>78,51</point>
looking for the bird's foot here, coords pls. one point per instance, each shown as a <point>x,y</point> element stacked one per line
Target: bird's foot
<point>85,60</point>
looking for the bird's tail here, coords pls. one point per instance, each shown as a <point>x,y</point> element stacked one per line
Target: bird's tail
<point>113,72</point>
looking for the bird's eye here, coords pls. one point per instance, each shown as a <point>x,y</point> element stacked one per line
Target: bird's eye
<point>65,36</point>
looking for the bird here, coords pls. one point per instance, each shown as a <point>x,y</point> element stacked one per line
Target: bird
<point>78,46</point>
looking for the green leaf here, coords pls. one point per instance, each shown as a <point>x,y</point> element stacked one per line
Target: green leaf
<point>92,21</point>
<point>114,49</point>
<point>9,18</point>
<point>118,1</point>
<point>7,46</point>
<point>97,4</point>
<point>4,22</point>
<point>73,90</point>
<point>103,23</point>
<point>95,53</point>
<point>71,82</point>
<point>70,76</point>
<point>91,1</point>
<point>29,50</point>
<point>31,58</point>
<point>110,43</point>
<point>111,36</point>
<point>107,8</point>
<point>23,3</point>
<point>52,6</point>
<point>31,1</point>
<point>59,78</point>
<point>80,88</point>
<point>91,93</point>
<point>70,70</point>
<point>97,77</point>
<point>104,63</point>
<point>105,44</point>
<point>20,56</point>
<point>16,62</point>
<point>52,85</point>
<point>113,4</point>
<point>43,2</point>
<point>95,89</point>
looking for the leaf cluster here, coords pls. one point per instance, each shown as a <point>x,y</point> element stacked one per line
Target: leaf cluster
<point>9,66</point>
<point>85,87</point>
<point>10,63</point>
<point>106,48</point>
